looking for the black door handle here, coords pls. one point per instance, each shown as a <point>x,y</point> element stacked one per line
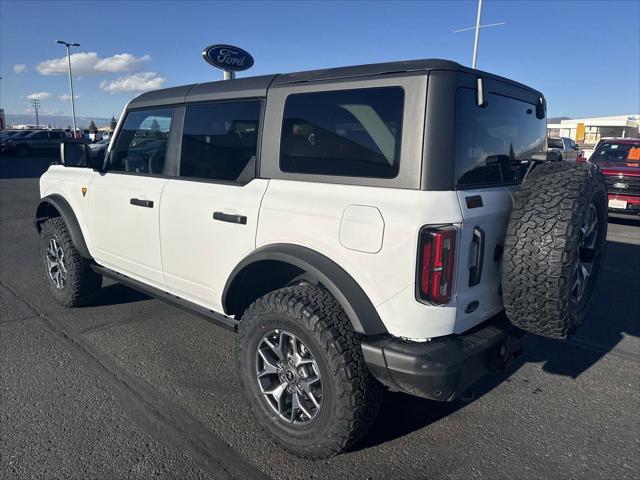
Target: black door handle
<point>227,217</point>
<point>141,203</point>
<point>475,272</point>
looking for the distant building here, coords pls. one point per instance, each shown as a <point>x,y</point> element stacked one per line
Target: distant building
<point>587,132</point>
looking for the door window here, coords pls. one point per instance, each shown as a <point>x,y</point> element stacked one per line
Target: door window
<point>219,141</point>
<point>141,145</point>
<point>353,133</point>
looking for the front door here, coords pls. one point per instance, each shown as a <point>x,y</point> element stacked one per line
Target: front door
<point>209,214</point>
<point>124,202</point>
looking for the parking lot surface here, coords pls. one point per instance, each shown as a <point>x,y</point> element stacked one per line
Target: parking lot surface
<point>133,388</point>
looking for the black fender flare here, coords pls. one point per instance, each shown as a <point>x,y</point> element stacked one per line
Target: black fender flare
<point>61,205</point>
<point>333,277</point>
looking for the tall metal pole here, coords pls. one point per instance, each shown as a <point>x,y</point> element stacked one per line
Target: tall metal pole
<point>73,104</point>
<point>475,41</point>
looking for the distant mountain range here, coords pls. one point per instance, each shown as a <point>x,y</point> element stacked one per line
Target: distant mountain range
<point>55,121</point>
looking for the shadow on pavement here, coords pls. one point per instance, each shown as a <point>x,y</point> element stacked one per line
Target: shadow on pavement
<point>612,316</point>
<point>117,294</point>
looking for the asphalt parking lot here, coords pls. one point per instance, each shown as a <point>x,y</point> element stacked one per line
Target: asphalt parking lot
<point>133,388</point>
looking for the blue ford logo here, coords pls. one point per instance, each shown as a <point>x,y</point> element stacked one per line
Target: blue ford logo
<point>228,57</point>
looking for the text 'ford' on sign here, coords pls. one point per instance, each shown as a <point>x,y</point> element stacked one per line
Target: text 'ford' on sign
<point>228,57</point>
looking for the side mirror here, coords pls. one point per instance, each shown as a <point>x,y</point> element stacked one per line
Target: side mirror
<point>75,154</point>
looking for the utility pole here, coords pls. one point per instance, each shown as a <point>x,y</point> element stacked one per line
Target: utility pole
<point>477,28</point>
<point>73,106</point>
<point>36,104</point>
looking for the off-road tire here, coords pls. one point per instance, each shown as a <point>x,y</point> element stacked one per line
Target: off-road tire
<point>542,247</point>
<point>23,151</point>
<point>82,283</point>
<point>351,396</point>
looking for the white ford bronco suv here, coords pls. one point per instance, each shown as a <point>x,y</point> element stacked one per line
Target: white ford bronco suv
<point>397,225</point>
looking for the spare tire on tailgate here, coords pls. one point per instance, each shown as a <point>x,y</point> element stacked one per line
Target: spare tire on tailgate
<point>553,248</point>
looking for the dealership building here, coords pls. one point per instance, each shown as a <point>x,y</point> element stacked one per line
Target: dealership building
<point>586,132</point>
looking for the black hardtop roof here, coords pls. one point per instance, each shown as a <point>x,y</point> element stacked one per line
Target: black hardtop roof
<point>257,86</point>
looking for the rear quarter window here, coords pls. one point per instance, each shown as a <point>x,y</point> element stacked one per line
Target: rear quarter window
<point>353,133</point>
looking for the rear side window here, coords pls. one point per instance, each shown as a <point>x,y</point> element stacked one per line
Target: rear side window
<point>555,143</point>
<point>219,141</point>
<point>493,141</point>
<point>348,132</point>
<point>141,146</point>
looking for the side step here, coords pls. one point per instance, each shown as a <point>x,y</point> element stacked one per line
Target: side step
<point>209,315</point>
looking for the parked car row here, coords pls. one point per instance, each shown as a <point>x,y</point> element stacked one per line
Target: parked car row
<point>31,141</point>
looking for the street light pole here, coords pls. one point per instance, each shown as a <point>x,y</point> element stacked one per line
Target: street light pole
<point>73,106</point>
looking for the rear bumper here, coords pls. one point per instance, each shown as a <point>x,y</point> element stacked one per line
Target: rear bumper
<point>632,204</point>
<point>445,367</point>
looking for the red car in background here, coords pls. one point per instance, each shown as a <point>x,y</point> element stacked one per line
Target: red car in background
<point>619,160</point>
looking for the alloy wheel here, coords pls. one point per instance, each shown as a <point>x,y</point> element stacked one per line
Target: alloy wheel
<point>288,377</point>
<point>54,256</point>
<point>587,254</point>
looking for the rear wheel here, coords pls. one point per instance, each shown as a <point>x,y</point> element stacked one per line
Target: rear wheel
<point>553,248</point>
<point>302,369</point>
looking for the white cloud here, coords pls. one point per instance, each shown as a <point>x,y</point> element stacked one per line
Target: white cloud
<point>136,82</point>
<point>39,96</point>
<point>81,64</point>
<point>123,62</point>
<point>66,97</point>
<point>87,63</point>
<point>19,68</point>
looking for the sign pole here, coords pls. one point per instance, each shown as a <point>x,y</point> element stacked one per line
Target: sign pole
<point>229,75</point>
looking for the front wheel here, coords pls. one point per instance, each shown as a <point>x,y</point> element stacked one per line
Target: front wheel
<point>69,276</point>
<point>302,369</point>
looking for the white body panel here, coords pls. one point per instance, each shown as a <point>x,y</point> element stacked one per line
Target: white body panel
<point>310,214</point>
<point>68,183</point>
<point>198,252</point>
<point>126,237</point>
<point>372,232</point>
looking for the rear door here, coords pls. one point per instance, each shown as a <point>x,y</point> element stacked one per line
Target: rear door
<point>124,202</point>
<point>493,144</point>
<point>209,213</point>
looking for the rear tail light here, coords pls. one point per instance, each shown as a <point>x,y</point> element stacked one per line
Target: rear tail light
<point>436,259</point>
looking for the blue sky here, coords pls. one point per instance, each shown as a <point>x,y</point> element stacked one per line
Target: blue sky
<point>584,55</point>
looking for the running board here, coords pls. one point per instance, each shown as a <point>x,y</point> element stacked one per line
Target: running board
<point>202,312</point>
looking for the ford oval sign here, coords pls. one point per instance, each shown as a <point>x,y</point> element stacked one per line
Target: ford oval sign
<point>228,57</point>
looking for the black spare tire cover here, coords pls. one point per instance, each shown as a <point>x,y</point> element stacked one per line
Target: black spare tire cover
<point>553,247</point>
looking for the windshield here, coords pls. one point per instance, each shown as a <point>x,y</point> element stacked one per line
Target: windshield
<point>554,143</point>
<point>617,152</point>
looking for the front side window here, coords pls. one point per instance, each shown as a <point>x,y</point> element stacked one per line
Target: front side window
<point>352,133</point>
<point>219,141</point>
<point>493,141</point>
<point>141,146</point>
